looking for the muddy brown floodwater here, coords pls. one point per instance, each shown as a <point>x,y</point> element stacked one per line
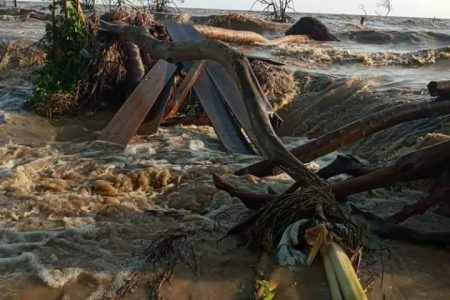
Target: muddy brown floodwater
<point>77,215</point>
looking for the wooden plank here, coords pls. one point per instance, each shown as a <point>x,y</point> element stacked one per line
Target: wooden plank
<point>225,126</point>
<point>192,34</point>
<point>155,115</point>
<point>130,116</point>
<point>183,90</point>
<point>223,81</point>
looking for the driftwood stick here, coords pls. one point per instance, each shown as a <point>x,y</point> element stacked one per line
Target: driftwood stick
<point>421,206</point>
<point>355,131</point>
<point>246,37</point>
<point>439,88</point>
<point>237,65</point>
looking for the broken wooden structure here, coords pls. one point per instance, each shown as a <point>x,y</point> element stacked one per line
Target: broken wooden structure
<point>152,101</point>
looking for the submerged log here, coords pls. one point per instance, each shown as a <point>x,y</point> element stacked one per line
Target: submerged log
<point>352,132</point>
<point>439,88</point>
<point>247,37</point>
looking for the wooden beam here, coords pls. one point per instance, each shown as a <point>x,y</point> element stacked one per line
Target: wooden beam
<point>155,115</point>
<point>225,126</point>
<point>130,116</point>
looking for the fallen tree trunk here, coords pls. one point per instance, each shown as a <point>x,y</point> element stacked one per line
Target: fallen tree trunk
<point>247,37</point>
<point>355,131</point>
<point>429,161</point>
<point>439,88</point>
<point>237,65</point>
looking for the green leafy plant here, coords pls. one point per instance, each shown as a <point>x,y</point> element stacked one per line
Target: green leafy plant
<point>57,82</point>
<point>268,293</point>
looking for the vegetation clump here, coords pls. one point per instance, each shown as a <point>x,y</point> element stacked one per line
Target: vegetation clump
<point>58,81</point>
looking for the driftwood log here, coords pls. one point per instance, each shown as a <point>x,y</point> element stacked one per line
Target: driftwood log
<point>247,37</point>
<point>237,65</point>
<point>439,88</point>
<point>352,132</point>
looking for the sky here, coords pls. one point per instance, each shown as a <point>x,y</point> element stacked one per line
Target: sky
<point>407,8</point>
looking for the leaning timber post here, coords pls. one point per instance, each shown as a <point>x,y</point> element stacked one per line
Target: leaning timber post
<point>237,65</point>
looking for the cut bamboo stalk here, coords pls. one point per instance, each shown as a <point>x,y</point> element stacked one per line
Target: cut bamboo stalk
<point>348,281</point>
<point>331,276</point>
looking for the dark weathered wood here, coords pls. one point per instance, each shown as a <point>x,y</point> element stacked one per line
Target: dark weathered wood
<point>384,229</point>
<point>354,131</point>
<point>183,90</point>
<point>439,88</point>
<point>237,65</point>
<point>423,163</point>
<point>130,116</point>
<point>439,194</point>
<point>155,115</point>
<point>225,126</point>
<point>225,82</point>
<point>348,165</point>
<point>429,161</point>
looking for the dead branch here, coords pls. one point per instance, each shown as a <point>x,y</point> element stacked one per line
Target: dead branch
<point>355,131</point>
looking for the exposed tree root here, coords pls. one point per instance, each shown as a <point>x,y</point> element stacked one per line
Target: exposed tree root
<point>355,131</point>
